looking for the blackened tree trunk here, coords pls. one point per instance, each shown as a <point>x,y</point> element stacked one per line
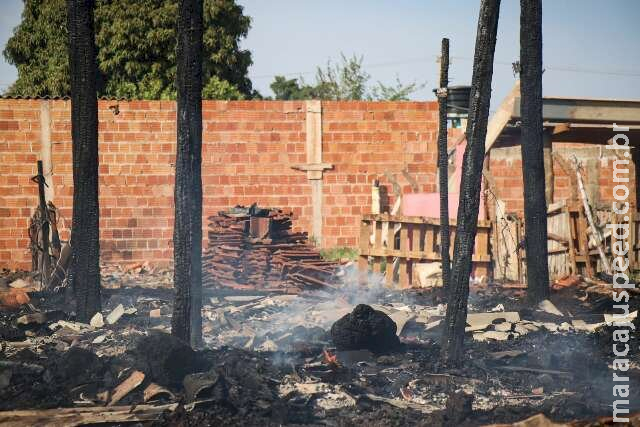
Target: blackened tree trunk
<point>532,145</point>
<point>186,322</point>
<point>453,334</point>
<point>84,275</point>
<point>443,164</point>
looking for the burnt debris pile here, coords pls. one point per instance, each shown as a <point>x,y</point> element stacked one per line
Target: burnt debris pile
<point>365,329</point>
<point>256,249</point>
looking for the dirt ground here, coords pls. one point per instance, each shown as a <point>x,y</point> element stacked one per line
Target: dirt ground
<point>295,376</point>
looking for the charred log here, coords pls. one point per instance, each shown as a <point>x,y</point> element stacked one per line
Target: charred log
<point>532,146</point>
<point>186,322</point>
<point>365,328</point>
<point>85,259</point>
<point>453,333</point>
<point>443,164</point>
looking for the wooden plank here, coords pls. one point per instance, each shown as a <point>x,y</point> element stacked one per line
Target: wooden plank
<point>417,220</point>
<point>482,242</point>
<point>415,237</point>
<point>85,415</point>
<point>391,242</point>
<point>377,264</point>
<point>584,242</point>
<point>501,117</point>
<point>572,249</point>
<point>403,277</point>
<point>518,249</point>
<point>429,240</point>
<point>548,167</point>
<point>378,236</point>
<point>633,232</point>
<point>391,236</point>
<point>421,256</point>
<point>388,273</point>
<point>365,232</point>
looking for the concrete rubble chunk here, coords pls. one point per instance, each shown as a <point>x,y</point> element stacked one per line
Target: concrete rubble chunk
<point>115,314</point>
<point>581,325</point>
<point>432,325</point>
<point>97,321</point>
<point>497,308</point>
<point>99,339</point>
<point>155,313</point>
<point>429,274</point>
<point>72,326</point>
<point>19,284</point>
<point>503,327</point>
<point>548,307</point>
<point>329,396</point>
<point>268,345</point>
<point>531,327</point>
<point>565,327</point>
<point>616,318</point>
<point>131,311</point>
<point>32,319</point>
<point>492,336</point>
<point>242,298</point>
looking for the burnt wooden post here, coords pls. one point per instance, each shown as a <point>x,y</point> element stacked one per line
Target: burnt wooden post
<point>186,322</point>
<point>469,204</point>
<point>443,163</point>
<point>85,259</point>
<point>44,264</point>
<point>532,148</point>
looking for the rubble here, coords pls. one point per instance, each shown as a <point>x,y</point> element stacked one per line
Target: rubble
<point>97,321</point>
<point>270,359</point>
<point>19,284</point>
<point>115,314</point>
<point>548,307</point>
<point>255,249</point>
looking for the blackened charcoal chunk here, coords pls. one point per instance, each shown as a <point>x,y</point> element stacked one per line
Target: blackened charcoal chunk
<point>365,328</point>
<point>459,407</point>
<point>11,333</point>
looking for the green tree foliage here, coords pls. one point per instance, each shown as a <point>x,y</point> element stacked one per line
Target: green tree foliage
<point>136,42</point>
<point>346,80</point>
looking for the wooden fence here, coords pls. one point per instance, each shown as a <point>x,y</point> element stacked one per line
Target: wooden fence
<point>413,240</point>
<point>572,248</point>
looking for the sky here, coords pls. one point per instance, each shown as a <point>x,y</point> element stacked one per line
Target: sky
<point>590,47</point>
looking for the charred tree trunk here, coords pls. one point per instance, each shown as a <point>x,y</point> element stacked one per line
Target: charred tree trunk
<point>84,274</point>
<point>532,146</point>
<point>186,322</point>
<point>469,204</point>
<point>443,164</point>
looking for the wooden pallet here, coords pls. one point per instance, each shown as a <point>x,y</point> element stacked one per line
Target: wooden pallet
<point>385,239</point>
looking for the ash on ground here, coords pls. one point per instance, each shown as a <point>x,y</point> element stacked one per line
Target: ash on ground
<point>270,359</point>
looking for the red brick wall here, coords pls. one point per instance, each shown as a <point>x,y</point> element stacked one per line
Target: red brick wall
<point>248,150</point>
<point>505,166</point>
